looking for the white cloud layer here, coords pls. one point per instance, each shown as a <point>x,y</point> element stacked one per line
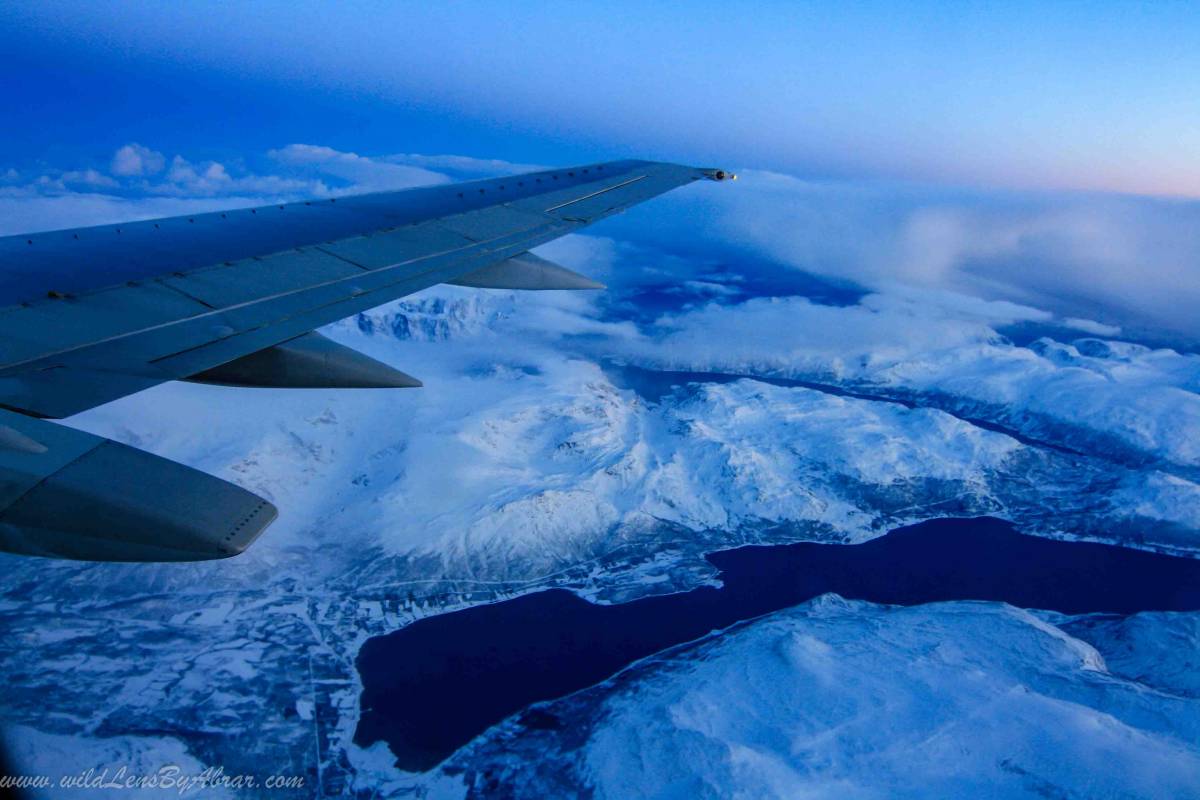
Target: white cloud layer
<point>360,172</point>
<point>142,183</point>
<point>1116,259</point>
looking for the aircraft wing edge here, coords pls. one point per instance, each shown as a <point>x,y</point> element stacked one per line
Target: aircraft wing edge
<point>65,493</point>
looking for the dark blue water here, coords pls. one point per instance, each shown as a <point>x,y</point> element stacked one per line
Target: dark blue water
<point>433,686</point>
<point>648,302</point>
<point>740,278</point>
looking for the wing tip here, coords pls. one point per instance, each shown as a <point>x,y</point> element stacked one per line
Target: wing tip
<point>714,174</point>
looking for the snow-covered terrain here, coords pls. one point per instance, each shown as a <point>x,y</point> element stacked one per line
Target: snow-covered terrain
<point>515,460</point>
<point>845,699</point>
<point>1124,401</point>
<point>539,455</point>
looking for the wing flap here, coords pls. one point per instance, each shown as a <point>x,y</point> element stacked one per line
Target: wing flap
<point>90,498</point>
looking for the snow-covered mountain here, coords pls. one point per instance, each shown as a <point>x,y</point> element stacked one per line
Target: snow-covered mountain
<point>1123,401</point>
<point>844,699</point>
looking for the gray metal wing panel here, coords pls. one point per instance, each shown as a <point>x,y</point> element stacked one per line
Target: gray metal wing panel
<point>85,259</point>
<point>377,288</point>
<point>398,245</point>
<point>556,196</point>
<point>263,277</point>
<point>621,194</point>
<point>200,343</point>
<point>490,223</point>
<point>341,257</point>
<point>49,326</point>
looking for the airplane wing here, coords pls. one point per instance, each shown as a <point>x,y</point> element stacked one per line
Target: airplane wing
<point>233,297</point>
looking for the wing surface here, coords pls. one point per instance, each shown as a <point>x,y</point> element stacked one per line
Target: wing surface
<point>89,315</point>
<point>93,314</point>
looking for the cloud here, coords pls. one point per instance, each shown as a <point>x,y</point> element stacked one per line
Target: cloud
<point>23,211</point>
<point>204,180</point>
<point>88,177</point>
<point>212,178</point>
<point>1119,260</point>
<point>135,160</point>
<point>56,183</point>
<point>358,172</point>
<point>464,167</point>
<point>1092,327</point>
<point>143,184</point>
<point>791,335</point>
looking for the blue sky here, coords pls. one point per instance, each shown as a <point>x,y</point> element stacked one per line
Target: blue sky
<point>1078,95</point>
